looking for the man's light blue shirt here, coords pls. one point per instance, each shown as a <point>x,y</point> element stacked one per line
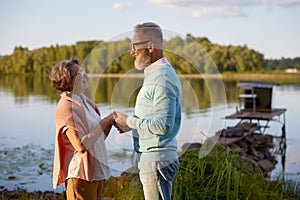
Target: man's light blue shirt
<point>157,114</point>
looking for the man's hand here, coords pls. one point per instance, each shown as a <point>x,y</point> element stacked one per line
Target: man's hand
<point>120,122</point>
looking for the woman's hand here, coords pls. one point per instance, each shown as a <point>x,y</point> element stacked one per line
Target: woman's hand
<point>106,123</point>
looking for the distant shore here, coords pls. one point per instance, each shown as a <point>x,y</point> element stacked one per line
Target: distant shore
<point>280,78</point>
<point>225,75</point>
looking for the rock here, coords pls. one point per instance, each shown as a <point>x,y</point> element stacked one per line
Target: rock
<point>249,139</point>
<point>232,132</point>
<point>129,171</point>
<point>254,148</point>
<point>269,140</point>
<point>266,165</point>
<point>242,143</point>
<point>51,195</point>
<point>249,165</point>
<point>188,146</point>
<point>236,148</point>
<point>254,154</point>
<point>246,126</point>
<point>259,139</point>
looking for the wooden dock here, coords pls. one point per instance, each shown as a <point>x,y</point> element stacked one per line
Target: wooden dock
<point>257,109</point>
<point>260,114</point>
<point>266,115</point>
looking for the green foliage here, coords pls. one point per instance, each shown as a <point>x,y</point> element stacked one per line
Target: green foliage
<point>282,64</point>
<point>124,187</point>
<point>84,48</point>
<point>220,175</point>
<point>189,55</point>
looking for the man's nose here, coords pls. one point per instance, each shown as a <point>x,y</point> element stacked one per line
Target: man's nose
<point>132,52</point>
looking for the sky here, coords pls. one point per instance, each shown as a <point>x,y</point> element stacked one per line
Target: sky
<point>271,27</point>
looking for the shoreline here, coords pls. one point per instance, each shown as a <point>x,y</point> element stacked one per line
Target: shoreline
<point>17,194</point>
<point>278,78</point>
<point>224,76</point>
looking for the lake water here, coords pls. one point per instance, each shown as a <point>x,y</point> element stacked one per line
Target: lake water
<point>27,131</point>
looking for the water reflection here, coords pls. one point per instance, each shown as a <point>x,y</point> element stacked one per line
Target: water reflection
<point>28,103</point>
<point>196,95</point>
<point>23,86</point>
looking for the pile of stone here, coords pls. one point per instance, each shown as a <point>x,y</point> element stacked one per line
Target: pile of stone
<point>254,147</point>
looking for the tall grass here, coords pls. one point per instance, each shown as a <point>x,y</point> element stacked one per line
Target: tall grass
<point>220,175</point>
<point>212,177</point>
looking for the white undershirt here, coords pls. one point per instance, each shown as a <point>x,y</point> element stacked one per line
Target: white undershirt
<point>93,120</point>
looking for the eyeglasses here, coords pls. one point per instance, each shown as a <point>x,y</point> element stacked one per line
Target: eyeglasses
<point>82,72</point>
<point>139,43</point>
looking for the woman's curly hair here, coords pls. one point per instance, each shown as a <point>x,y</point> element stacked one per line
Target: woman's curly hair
<point>62,76</point>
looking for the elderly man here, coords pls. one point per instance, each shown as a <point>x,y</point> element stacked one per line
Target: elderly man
<point>157,117</point>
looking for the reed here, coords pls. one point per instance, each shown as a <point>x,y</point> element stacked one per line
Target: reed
<point>220,175</point>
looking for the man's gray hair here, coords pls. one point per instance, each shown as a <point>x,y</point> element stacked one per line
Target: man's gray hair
<point>152,30</point>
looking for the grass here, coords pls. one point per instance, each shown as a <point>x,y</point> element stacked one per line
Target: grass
<point>220,176</point>
<point>276,77</point>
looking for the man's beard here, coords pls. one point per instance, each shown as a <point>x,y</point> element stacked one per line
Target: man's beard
<point>143,60</point>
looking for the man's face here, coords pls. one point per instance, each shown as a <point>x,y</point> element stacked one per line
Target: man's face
<point>140,51</point>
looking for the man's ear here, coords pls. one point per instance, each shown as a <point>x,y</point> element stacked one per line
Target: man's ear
<point>151,47</point>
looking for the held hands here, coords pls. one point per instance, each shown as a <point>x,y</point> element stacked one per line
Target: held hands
<point>105,125</point>
<point>116,119</point>
<point>120,122</point>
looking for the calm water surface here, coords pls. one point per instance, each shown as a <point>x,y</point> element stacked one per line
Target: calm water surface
<point>27,131</point>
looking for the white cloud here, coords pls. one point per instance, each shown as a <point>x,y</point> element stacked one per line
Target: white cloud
<point>123,6</point>
<point>219,8</point>
<point>225,11</point>
<point>282,2</point>
<point>199,13</point>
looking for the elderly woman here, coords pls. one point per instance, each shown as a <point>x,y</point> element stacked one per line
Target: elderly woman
<point>80,159</point>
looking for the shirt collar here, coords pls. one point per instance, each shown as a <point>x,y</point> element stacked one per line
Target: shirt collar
<point>72,97</point>
<point>148,70</point>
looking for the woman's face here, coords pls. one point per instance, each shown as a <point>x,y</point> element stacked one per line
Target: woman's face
<point>81,81</point>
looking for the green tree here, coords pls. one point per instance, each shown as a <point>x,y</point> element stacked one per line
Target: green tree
<point>187,55</point>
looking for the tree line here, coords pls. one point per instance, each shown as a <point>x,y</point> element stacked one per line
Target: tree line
<point>188,56</point>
